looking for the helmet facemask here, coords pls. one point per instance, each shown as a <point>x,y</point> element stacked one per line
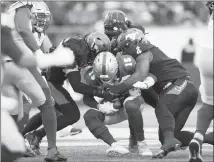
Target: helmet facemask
<point>41,21</point>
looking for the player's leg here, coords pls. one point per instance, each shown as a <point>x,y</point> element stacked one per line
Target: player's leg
<point>66,106</point>
<point>94,120</point>
<point>47,108</point>
<point>34,122</point>
<point>150,96</point>
<point>133,109</point>
<point>13,145</point>
<point>205,113</point>
<point>180,96</point>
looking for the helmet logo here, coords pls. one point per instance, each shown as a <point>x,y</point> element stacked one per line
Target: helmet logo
<point>115,28</point>
<point>131,36</point>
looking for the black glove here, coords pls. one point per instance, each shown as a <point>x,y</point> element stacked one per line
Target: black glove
<point>99,92</point>
<point>110,96</point>
<point>51,49</point>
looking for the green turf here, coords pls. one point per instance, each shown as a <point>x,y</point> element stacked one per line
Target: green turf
<point>97,154</point>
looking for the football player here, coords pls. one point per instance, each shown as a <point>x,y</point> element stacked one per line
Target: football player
<point>177,93</point>
<point>85,49</point>
<point>205,113</point>
<point>30,21</point>
<point>115,23</point>
<point>107,69</point>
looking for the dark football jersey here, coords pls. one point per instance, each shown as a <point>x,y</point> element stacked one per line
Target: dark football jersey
<point>80,49</point>
<point>164,68</point>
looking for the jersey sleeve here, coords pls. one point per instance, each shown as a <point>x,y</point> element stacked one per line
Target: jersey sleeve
<point>126,64</point>
<point>136,50</point>
<point>90,78</point>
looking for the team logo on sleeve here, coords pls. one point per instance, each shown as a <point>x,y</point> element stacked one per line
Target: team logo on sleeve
<point>138,50</point>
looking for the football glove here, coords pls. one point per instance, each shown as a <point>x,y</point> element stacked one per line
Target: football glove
<point>108,95</point>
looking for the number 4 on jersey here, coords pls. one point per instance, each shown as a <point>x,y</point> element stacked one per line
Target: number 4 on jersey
<point>138,50</point>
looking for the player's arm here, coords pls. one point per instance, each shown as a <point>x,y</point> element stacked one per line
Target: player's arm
<point>90,101</point>
<point>140,74</point>
<point>74,78</point>
<point>23,26</point>
<point>46,45</point>
<point>8,46</point>
<point>147,83</point>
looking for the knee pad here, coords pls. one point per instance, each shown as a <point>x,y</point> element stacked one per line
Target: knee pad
<point>48,103</point>
<point>132,103</point>
<point>93,114</point>
<point>94,121</point>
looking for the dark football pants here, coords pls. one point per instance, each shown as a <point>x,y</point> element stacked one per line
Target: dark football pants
<point>150,96</point>
<point>69,110</point>
<point>173,109</point>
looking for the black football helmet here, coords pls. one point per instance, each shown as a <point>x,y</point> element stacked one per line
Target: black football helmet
<point>210,5</point>
<point>97,42</point>
<point>115,23</point>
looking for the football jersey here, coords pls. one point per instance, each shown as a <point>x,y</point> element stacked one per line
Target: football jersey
<point>80,49</point>
<point>164,68</point>
<point>126,65</point>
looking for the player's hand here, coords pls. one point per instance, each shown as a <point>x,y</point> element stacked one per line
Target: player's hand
<point>108,95</point>
<point>141,85</point>
<point>63,56</point>
<point>107,108</point>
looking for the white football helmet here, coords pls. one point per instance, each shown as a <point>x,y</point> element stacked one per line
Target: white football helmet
<point>41,15</point>
<point>105,67</point>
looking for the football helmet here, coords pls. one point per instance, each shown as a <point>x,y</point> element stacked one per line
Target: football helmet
<point>41,16</point>
<point>105,67</point>
<point>97,42</point>
<point>210,5</point>
<point>129,37</point>
<point>115,22</point>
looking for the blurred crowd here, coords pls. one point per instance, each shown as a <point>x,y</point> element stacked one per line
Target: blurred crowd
<point>147,13</point>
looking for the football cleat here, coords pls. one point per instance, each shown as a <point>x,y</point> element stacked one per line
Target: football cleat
<point>159,154</point>
<point>53,155</point>
<point>117,150</point>
<point>29,152</point>
<point>34,142</point>
<point>170,145</point>
<point>144,150</point>
<point>75,131</point>
<point>195,151</point>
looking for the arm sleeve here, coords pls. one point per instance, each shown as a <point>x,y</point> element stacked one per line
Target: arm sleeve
<point>8,46</point>
<point>90,101</point>
<point>23,26</point>
<point>75,81</point>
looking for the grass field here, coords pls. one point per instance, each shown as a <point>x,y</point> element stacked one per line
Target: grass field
<point>84,147</point>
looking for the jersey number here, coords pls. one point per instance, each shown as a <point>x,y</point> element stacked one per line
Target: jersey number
<point>128,62</point>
